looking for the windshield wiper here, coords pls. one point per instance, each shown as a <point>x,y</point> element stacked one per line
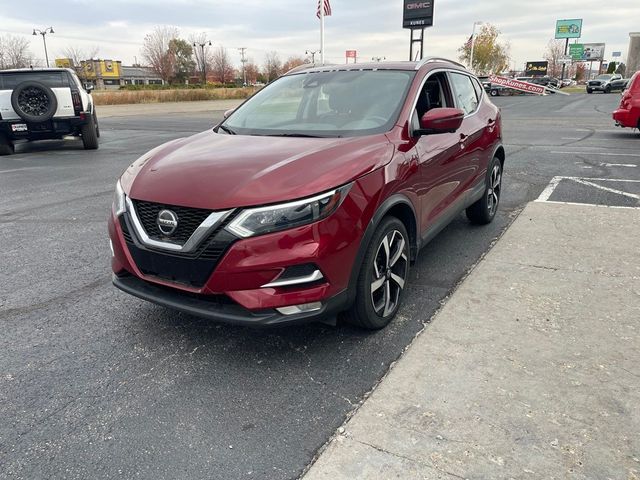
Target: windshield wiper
<point>227,129</point>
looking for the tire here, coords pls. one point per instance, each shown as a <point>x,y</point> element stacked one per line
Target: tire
<point>89,134</point>
<point>34,102</point>
<point>484,210</point>
<point>589,91</point>
<point>95,120</point>
<point>494,93</point>
<point>6,146</point>
<point>383,276</point>
<point>607,89</point>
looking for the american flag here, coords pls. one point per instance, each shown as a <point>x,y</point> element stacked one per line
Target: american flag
<point>327,8</point>
<point>469,42</point>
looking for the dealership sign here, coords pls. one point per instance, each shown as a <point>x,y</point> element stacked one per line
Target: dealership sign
<point>417,14</point>
<point>351,54</point>
<point>569,28</point>
<point>517,85</point>
<point>536,69</point>
<point>593,52</point>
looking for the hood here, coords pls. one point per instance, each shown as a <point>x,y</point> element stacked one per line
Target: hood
<point>216,172</point>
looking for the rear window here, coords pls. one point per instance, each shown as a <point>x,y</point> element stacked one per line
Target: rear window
<point>9,81</point>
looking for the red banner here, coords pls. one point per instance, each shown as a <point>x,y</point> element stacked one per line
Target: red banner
<point>517,85</point>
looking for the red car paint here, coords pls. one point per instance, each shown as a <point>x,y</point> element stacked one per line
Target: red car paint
<point>628,113</point>
<point>217,172</point>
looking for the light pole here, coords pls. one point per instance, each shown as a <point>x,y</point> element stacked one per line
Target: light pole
<point>313,55</point>
<point>203,60</point>
<point>473,43</point>
<point>243,60</point>
<point>44,34</point>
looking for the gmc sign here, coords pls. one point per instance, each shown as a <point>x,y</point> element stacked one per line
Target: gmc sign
<point>417,14</point>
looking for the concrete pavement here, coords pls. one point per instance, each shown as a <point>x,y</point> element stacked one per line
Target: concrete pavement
<point>530,370</point>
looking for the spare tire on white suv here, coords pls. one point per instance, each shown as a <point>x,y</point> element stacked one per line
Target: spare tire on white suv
<point>41,104</point>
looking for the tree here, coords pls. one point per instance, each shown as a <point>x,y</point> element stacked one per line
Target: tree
<point>77,55</point>
<point>581,71</point>
<point>612,67</point>
<point>183,59</point>
<point>293,62</point>
<point>14,52</point>
<point>155,50</point>
<point>222,68</point>
<point>489,54</point>
<point>555,49</point>
<point>622,69</point>
<point>203,56</point>
<point>252,72</point>
<point>272,66</point>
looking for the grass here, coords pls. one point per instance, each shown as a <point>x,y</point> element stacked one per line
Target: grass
<point>123,97</point>
<point>576,89</point>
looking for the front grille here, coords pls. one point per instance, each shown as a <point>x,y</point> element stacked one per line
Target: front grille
<point>192,269</point>
<point>188,220</point>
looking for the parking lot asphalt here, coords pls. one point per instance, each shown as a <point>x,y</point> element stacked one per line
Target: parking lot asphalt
<point>97,384</point>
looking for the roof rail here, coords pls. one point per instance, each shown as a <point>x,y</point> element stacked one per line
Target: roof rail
<point>426,60</point>
<point>299,68</point>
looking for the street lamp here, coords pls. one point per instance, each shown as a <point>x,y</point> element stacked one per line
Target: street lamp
<point>203,60</point>
<point>44,34</point>
<point>473,43</point>
<point>313,55</point>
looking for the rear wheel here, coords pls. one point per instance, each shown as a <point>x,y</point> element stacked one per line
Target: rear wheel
<point>494,93</point>
<point>484,210</point>
<point>6,146</point>
<point>89,134</point>
<point>382,278</point>
<point>607,89</point>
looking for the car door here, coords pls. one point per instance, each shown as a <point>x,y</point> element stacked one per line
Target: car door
<point>437,154</point>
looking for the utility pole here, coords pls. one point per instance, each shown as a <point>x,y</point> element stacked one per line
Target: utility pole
<point>313,55</point>
<point>203,59</point>
<point>44,40</point>
<point>244,61</point>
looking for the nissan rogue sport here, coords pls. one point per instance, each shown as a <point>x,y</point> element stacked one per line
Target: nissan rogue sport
<point>312,198</point>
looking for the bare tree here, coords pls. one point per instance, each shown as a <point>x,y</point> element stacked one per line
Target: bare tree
<point>77,55</point>
<point>14,52</point>
<point>156,51</point>
<point>292,62</point>
<point>272,66</point>
<point>252,71</point>
<point>203,56</point>
<point>555,49</point>
<point>221,65</point>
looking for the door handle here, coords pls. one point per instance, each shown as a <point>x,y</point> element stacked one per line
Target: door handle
<point>463,139</point>
<point>491,121</point>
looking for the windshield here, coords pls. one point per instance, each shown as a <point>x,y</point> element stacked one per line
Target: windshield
<point>603,77</point>
<point>324,104</point>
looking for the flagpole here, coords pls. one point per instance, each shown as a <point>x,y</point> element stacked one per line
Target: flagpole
<point>321,32</point>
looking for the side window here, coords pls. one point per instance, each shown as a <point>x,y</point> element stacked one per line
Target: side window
<point>434,94</point>
<point>464,92</point>
<point>479,89</point>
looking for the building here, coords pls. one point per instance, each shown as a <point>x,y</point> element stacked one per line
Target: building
<point>110,74</point>
<point>633,57</point>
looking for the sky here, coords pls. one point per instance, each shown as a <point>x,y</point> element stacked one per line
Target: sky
<point>290,27</point>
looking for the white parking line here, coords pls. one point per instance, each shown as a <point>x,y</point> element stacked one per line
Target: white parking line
<point>590,205</point>
<point>626,165</point>
<point>606,154</point>
<point>555,181</point>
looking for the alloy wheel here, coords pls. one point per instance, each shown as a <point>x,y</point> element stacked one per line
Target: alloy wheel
<point>390,268</point>
<point>493,192</point>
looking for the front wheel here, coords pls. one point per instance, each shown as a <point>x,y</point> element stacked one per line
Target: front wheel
<point>589,90</point>
<point>494,93</point>
<point>484,210</point>
<point>607,89</point>
<point>382,278</point>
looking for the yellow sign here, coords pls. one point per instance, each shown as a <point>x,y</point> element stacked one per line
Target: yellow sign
<point>64,63</point>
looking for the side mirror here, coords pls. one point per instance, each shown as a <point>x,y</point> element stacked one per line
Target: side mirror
<point>440,120</point>
<point>88,87</point>
<point>229,112</point>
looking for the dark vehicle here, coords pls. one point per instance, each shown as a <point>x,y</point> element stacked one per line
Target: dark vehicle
<point>312,198</point>
<point>607,83</point>
<point>41,104</point>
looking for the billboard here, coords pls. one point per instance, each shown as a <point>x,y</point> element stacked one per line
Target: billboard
<point>536,69</point>
<point>417,14</point>
<point>569,28</point>
<point>593,52</point>
<point>351,54</point>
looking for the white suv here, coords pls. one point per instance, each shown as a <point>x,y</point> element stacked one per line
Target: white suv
<point>47,103</point>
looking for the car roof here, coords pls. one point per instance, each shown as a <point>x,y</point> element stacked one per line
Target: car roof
<point>387,65</point>
<point>27,70</point>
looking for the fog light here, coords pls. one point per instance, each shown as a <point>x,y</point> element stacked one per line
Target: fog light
<point>304,308</point>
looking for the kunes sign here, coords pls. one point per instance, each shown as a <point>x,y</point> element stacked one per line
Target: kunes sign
<point>417,14</point>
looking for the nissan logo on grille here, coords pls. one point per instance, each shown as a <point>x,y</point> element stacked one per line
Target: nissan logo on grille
<point>167,222</point>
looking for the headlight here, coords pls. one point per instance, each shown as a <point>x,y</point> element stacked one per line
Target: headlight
<point>258,221</point>
<point>119,200</point>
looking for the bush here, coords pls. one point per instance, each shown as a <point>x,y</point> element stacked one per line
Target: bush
<point>181,86</point>
<point>162,95</point>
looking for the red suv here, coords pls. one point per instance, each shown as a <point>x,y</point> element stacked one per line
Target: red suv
<point>312,198</point>
<point>628,114</point>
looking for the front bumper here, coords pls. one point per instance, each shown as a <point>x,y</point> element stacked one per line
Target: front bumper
<point>213,308</point>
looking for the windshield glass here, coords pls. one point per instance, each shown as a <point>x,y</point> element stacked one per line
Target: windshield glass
<point>324,104</point>
<point>603,77</point>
